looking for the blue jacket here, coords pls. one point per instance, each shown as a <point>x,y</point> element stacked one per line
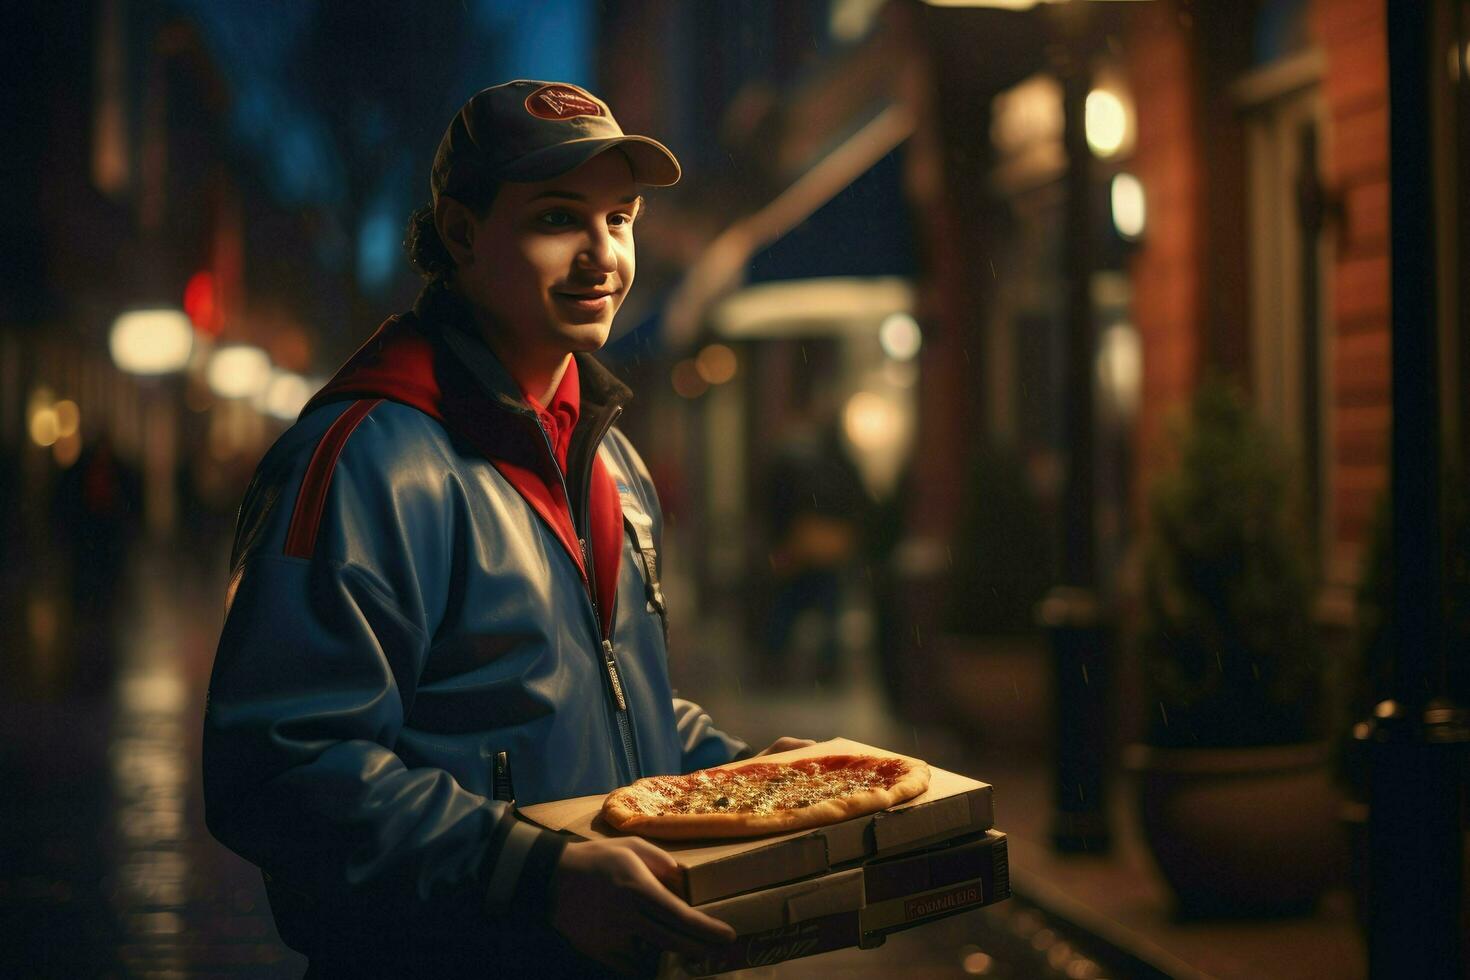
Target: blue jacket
<point>397,617</point>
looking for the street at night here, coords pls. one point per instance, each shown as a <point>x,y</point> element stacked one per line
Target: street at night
<point>782,488</point>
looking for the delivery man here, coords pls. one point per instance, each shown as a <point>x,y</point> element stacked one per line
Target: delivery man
<point>444,593</point>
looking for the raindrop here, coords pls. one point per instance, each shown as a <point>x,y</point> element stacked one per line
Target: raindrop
<point>949,555</point>
<point>803,354</point>
<point>992,268</point>
<point>1255,670</point>
<point>1085,679</point>
<point>1163,712</point>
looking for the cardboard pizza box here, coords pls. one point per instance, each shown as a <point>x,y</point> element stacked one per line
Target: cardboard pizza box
<point>858,906</point>
<point>952,806</point>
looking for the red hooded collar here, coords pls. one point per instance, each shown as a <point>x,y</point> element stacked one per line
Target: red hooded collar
<point>404,361</point>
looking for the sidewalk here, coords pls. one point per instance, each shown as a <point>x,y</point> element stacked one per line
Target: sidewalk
<point>1118,898</point>
<point>106,868</point>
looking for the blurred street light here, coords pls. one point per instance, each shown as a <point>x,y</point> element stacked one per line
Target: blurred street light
<point>1120,369</point>
<point>68,418</point>
<point>1130,213</point>
<point>900,337</point>
<point>43,426</point>
<point>1106,121</point>
<point>201,303</point>
<point>151,342</point>
<point>716,364</point>
<point>285,396</point>
<point>238,371</point>
<point>870,422</point>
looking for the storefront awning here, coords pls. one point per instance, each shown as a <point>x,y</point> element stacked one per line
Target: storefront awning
<point>846,216</point>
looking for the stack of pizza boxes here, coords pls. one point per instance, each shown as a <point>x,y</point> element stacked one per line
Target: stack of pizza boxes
<point>851,883</point>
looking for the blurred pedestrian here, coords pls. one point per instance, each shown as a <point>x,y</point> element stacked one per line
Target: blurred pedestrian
<point>98,512</point>
<point>817,506</point>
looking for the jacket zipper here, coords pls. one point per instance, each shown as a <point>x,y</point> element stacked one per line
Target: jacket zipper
<point>608,657</point>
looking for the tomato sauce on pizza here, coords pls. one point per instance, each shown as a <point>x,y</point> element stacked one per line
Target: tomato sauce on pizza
<point>751,798</point>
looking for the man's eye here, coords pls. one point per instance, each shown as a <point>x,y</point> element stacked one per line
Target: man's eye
<point>558,219</point>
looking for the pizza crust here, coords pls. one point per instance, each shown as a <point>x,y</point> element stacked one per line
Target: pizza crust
<point>621,809</point>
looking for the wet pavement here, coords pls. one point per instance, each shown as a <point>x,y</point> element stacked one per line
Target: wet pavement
<point>107,870</point>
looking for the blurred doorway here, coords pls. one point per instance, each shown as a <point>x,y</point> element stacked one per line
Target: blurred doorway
<point>805,448</point>
<point>1291,256</point>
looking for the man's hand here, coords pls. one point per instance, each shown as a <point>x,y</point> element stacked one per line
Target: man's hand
<point>610,902</point>
<point>786,742</point>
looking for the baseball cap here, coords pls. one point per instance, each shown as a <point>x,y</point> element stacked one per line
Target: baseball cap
<point>527,130</point>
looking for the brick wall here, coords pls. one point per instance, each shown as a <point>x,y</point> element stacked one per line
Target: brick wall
<point>1167,293</point>
<point>1166,272</point>
<point>1352,33</point>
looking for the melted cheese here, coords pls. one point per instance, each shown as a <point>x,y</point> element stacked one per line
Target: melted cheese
<point>762,787</point>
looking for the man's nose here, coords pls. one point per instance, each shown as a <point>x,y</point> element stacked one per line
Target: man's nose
<point>598,254</point>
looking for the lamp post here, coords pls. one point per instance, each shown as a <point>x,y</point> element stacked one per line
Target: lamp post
<point>1073,613</point>
<point>1417,738</point>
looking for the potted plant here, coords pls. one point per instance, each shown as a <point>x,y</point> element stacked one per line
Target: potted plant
<point>992,667</point>
<point>1235,792</point>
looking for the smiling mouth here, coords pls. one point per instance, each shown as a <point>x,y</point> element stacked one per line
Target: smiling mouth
<point>586,302</point>
<point>591,295</point>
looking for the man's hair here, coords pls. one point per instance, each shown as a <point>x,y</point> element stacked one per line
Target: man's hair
<point>421,239</point>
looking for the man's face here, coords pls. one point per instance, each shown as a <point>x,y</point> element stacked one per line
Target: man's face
<point>552,260</point>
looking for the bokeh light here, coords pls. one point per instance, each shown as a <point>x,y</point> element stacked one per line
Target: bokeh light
<point>686,380</point>
<point>44,427</point>
<point>1130,212</point>
<point>716,364</point>
<point>151,342</point>
<point>870,421</point>
<point>238,371</point>
<point>1120,369</point>
<point>975,961</point>
<point>1106,122</point>
<point>201,304</point>
<point>67,449</point>
<point>286,395</point>
<point>900,337</point>
<point>68,418</point>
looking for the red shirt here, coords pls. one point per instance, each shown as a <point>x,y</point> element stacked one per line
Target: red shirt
<point>604,512</point>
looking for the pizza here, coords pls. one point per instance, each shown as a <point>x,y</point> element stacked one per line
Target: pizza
<point>751,798</point>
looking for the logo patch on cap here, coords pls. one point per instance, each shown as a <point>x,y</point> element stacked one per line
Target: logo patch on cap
<point>561,102</point>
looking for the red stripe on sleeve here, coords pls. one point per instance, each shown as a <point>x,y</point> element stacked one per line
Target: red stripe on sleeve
<point>306,519</point>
